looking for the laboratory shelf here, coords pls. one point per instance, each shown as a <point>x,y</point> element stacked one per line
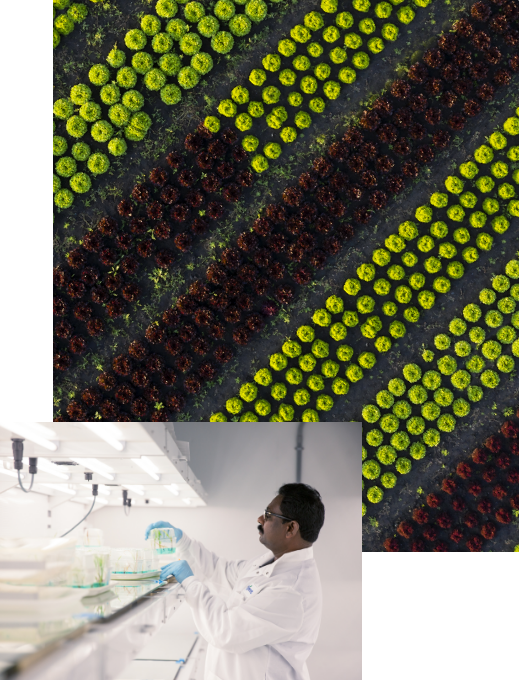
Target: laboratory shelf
<point>97,641</point>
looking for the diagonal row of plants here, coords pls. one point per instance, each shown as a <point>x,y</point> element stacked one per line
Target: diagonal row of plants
<point>472,505</point>
<point>355,138</point>
<point>476,353</point>
<point>389,297</point>
<point>109,107</point>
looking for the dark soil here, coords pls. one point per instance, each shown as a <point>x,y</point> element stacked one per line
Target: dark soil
<point>70,225</point>
<point>427,475</point>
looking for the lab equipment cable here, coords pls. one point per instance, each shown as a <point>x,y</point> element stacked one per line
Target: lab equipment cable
<point>94,494</point>
<point>18,463</point>
<point>21,483</point>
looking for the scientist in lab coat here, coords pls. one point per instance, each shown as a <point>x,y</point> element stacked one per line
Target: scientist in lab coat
<point>264,619</point>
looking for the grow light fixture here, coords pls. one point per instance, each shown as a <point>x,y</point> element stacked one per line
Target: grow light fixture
<point>10,473</point>
<point>31,432</point>
<point>173,488</point>
<point>49,467</point>
<point>96,466</point>
<point>148,466</point>
<point>59,487</point>
<point>108,432</point>
<point>136,488</point>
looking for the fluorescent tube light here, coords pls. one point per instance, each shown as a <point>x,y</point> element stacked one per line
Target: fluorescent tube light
<point>134,487</point>
<point>44,431</point>
<point>187,501</point>
<point>10,473</point>
<point>47,466</point>
<point>96,466</point>
<point>59,487</point>
<point>173,488</point>
<point>27,431</point>
<point>108,432</point>
<point>148,466</point>
<point>158,501</point>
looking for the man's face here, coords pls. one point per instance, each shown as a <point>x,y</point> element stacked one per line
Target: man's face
<point>273,533</point>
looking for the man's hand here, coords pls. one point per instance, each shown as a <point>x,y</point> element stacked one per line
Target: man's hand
<point>163,525</point>
<point>179,569</point>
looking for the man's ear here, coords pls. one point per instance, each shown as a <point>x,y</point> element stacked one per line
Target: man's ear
<point>292,528</point>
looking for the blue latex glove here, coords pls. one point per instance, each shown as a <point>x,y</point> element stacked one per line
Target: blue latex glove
<point>179,569</point>
<point>162,525</point>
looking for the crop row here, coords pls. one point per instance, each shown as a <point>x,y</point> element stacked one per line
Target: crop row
<point>339,321</point>
<point>65,22</point>
<point>110,107</point>
<point>428,260</point>
<point>469,507</point>
<point>295,232</point>
<point>147,202</point>
<point>301,64</point>
<point>113,116</point>
<point>471,359</point>
<point>180,204</point>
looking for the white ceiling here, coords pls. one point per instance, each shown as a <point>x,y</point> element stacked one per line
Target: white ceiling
<point>155,441</point>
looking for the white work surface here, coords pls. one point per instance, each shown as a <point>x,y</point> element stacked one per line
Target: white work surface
<point>106,649</point>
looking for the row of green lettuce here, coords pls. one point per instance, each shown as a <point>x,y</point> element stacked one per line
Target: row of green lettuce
<point>314,379</point>
<point>406,276</point>
<point>108,110</point>
<point>476,352</point>
<point>311,67</point>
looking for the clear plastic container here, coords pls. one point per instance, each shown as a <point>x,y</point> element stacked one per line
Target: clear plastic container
<point>36,561</point>
<point>163,540</point>
<point>90,537</point>
<point>91,568</point>
<point>151,560</point>
<point>127,560</point>
<point>133,560</point>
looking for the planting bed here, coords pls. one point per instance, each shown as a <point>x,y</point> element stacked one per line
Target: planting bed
<point>281,238</point>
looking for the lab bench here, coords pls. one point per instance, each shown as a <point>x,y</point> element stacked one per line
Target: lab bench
<point>95,641</point>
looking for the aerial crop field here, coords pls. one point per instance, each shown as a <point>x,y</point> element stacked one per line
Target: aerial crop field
<point>298,210</point>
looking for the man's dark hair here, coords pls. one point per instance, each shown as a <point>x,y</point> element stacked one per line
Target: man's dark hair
<point>303,504</point>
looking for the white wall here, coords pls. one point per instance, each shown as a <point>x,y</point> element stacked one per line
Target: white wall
<point>241,467</point>
<point>26,515</point>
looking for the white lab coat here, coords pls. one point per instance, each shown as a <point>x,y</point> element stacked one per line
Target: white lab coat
<point>264,620</point>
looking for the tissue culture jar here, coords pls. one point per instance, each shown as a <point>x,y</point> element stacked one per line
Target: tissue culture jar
<point>163,540</point>
<point>91,568</point>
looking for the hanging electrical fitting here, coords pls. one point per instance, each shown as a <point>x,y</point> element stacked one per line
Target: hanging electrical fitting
<point>127,502</point>
<point>18,463</point>
<point>88,478</point>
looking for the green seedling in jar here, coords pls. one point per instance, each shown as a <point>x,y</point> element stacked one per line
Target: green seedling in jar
<point>163,540</point>
<point>100,562</point>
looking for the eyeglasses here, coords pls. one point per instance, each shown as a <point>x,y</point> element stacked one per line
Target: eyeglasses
<point>267,515</point>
